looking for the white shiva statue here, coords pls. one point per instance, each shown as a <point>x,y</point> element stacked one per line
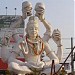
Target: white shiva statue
<point>32,46</point>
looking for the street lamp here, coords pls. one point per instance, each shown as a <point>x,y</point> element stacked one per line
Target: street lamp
<point>15,11</point>
<point>6,10</point>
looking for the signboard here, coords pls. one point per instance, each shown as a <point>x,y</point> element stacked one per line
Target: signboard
<point>7,20</point>
<point>66,66</point>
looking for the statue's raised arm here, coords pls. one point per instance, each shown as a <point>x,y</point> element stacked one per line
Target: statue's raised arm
<point>40,9</point>
<point>56,36</point>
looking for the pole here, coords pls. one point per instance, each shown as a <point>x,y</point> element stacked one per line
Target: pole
<point>15,11</point>
<point>66,59</point>
<point>72,62</point>
<point>6,10</point>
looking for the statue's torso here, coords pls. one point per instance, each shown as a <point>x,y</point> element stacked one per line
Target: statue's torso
<point>34,49</point>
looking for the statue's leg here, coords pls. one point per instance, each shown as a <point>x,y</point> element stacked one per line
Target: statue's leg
<point>47,71</point>
<point>15,67</point>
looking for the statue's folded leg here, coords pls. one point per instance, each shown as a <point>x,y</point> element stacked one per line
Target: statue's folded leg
<point>47,71</point>
<point>18,69</point>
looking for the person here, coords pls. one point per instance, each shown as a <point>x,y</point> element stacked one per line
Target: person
<point>32,47</point>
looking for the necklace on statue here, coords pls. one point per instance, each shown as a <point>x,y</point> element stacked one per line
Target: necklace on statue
<point>35,46</point>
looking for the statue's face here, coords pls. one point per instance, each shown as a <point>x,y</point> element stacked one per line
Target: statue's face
<point>32,30</point>
<point>26,9</point>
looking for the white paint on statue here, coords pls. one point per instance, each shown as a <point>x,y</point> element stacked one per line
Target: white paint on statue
<point>33,44</point>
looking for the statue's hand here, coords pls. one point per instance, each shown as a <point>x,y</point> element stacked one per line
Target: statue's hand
<point>56,36</point>
<point>26,9</point>
<point>40,9</point>
<point>40,16</point>
<point>41,64</point>
<point>26,14</point>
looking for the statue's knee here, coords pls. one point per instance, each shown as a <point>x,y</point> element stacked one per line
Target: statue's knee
<point>12,65</point>
<point>43,74</point>
<point>29,74</point>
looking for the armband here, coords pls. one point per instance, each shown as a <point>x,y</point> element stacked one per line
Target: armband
<point>59,45</point>
<point>42,20</point>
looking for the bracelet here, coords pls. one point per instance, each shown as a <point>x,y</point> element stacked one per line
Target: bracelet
<point>59,45</point>
<point>42,20</point>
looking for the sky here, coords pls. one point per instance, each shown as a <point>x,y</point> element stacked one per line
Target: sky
<point>60,13</point>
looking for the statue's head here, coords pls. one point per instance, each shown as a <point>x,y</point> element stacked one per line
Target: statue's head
<point>26,9</point>
<point>32,27</point>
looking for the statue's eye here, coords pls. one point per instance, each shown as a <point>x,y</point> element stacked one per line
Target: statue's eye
<point>36,28</point>
<point>31,28</point>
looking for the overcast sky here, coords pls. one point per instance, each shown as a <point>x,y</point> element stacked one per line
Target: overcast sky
<point>59,13</point>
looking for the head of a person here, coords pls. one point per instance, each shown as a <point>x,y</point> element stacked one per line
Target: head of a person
<point>26,8</point>
<point>32,27</point>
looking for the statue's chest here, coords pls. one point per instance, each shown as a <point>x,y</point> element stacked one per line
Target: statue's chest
<point>32,47</point>
<point>35,48</point>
